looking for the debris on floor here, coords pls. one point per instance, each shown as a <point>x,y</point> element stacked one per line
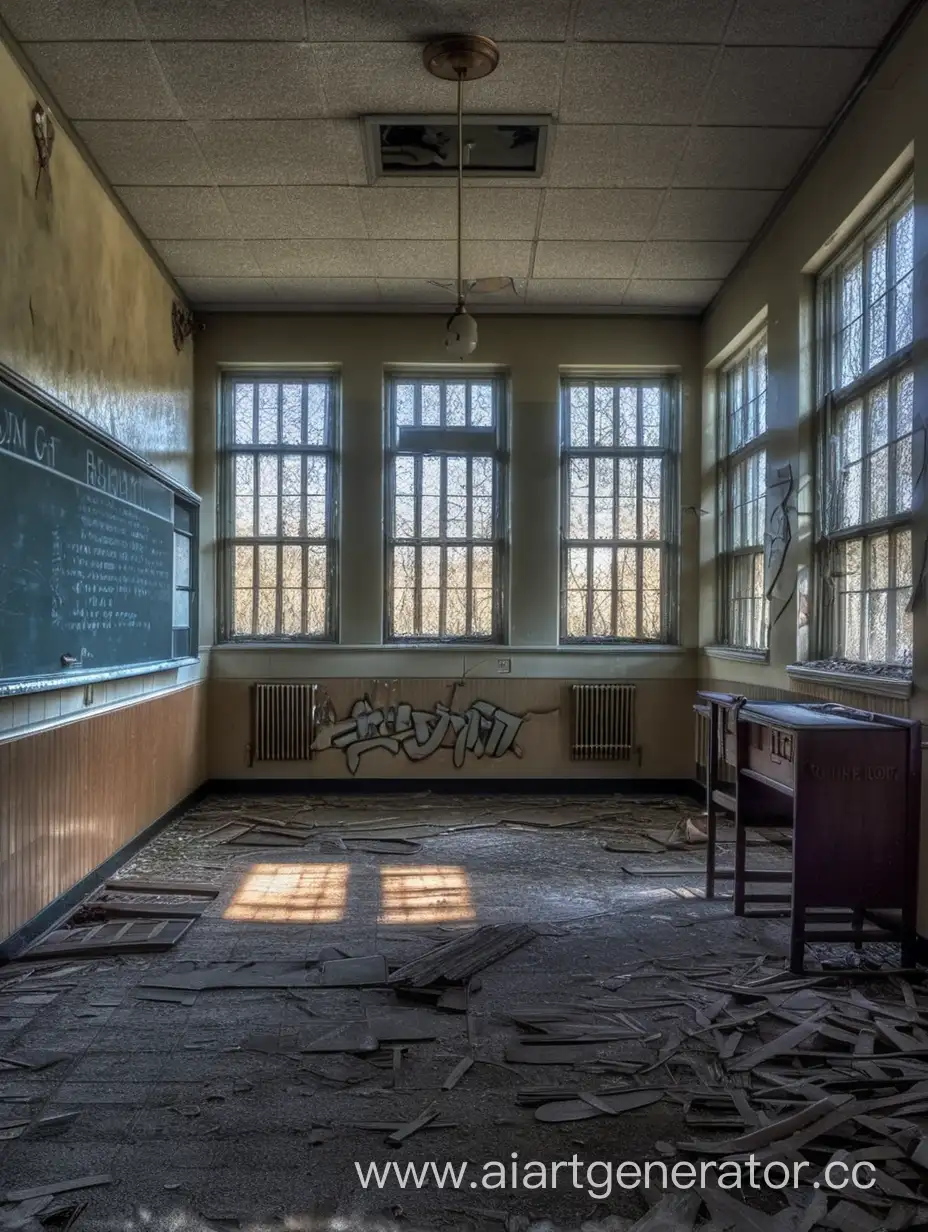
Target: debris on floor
<point>516,991</point>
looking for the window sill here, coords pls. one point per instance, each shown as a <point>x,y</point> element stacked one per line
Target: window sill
<point>859,682</point>
<point>623,648</point>
<point>739,654</point>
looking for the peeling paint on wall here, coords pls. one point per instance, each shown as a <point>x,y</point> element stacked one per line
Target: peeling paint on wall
<point>482,730</point>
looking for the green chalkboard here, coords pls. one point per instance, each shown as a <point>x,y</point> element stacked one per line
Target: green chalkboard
<point>87,550</point>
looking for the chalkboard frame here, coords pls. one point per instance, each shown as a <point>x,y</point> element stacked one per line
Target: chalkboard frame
<point>184,498</point>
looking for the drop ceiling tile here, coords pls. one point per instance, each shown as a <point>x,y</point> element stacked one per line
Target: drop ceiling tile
<point>300,212</point>
<point>608,292</point>
<point>744,157</point>
<point>180,213</point>
<point>63,20</point>
<point>281,152</point>
<point>599,213</point>
<point>682,260</point>
<point>437,259</point>
<point>556,259</point>
<point>634,83</point>
<point>652,21</point>
<point>145,151</point>
<point>364,78</point>
<point>845,23</point>
<point>429,212</point>
<point>419,20</point>
<point>243,81</point>
<point>615,155</point>
<point>669,293</point>
<point>313,258</point>
<point>226,290</point>
<point>211,19</point>
<point>104,81</point>
<point>712,214</point>
<point>324,290</point>
<point>781,85</point>
<point>207,258</point>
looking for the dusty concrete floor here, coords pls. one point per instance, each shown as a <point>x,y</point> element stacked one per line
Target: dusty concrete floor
<point>192,1126</point>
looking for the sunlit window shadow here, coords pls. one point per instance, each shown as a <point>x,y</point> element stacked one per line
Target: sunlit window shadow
<point>291,894</point>
<point>425,895</point>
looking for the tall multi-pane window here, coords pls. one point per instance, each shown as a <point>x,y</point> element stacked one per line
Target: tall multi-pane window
<point>278,499</point>
<point>865,304</point>
<point>444,507</point>
<point>742,497</point>
<point>618,509</point>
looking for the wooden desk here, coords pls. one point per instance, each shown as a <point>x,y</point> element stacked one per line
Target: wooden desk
<point>848,782</point>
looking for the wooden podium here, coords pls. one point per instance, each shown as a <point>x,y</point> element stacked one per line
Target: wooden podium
<point>848,784</point>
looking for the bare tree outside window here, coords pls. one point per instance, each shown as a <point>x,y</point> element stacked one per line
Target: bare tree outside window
<point>278,499</point>
<point>867,466</point>
<point>444,507</point>
<point>743,497</point>
<point>618,502</point>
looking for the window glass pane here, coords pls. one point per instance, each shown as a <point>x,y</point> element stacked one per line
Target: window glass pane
<point>291,400</point>
<point>243,398</point>
<point>651,416</point>
<point>602,416</point>
<point>579,416</point>
<point>268,430</point>
<point>318,401</point>
<point>181,560</point>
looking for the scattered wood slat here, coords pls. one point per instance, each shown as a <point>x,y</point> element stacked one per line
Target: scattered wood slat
<point>195,889</point>
<point>57,1187</point>
<point>455,960</point>
<point>584,1107</point>
<point>784,1042</point>
<point>457,1073</point>
<point>406,1131</point>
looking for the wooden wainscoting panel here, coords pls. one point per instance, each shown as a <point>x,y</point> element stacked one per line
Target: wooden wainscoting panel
<point>72,795</point>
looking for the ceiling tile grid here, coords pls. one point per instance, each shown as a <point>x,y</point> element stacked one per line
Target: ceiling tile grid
<point>231,131</point>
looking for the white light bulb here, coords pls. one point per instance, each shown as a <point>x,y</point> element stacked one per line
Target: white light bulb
<point>461,334</point>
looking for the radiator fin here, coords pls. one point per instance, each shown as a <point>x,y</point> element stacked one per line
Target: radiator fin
<point>604,722</point>
<point>284,722</point>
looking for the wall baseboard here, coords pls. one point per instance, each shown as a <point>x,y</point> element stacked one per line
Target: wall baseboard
<point>461,787</point>
<point>14,945</point>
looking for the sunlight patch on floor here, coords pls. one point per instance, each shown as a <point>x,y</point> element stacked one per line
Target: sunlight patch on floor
<point>292,894</point>
<point>430,894</point>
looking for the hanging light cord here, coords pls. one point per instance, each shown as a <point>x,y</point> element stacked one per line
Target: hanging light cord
<point>461,72</point>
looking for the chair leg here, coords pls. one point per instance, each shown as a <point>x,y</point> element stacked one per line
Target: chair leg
<point>797,938</point>
<point>857,924</point>
<point>741,847</point>
<point>712,759</point>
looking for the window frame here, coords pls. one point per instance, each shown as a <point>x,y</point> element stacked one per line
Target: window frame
<point>669,542</point>
<point>834,402</point>
<point>419,442</point>
<point>731,460</point>
<point>228,451</point>
<point>186,526</point>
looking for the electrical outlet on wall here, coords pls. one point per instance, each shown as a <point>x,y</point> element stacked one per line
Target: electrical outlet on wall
<point>503,667</point>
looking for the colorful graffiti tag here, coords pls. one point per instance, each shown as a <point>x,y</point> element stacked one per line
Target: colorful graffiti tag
<point>482,730</point>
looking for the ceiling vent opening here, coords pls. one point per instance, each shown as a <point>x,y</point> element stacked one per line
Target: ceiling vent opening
<point>426,147</point>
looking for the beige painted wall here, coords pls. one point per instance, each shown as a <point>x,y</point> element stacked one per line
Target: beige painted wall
<point>532,351</point>
<point>84,312</point>
<point>885,133</point>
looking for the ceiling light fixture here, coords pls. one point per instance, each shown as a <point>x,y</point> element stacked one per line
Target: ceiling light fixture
<point>460,58</point>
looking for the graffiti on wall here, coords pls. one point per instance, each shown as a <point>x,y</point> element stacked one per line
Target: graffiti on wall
<point>482,730</point>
